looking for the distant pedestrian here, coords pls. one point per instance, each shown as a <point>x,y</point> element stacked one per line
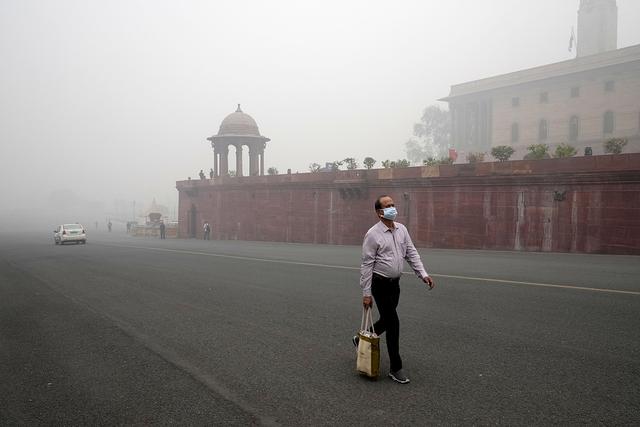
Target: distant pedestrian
<point>202,174</point>
<point>211,173</point>
<point>96,225</point>
<point>386,245</point>
<point>162,230</point>
<point>109,225</point>
<point>207,231</point>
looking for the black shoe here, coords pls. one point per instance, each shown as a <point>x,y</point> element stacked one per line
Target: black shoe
<point>399,377</point>
<point>355,340</point>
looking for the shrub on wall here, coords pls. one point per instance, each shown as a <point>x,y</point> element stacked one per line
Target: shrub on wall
<point>537,152</point>
<point>475,157</point>
<point>615,145</point>
<point>432,161</point>
<point>369,162</point>
<point>564,150</point>
<point>400,163</point>
<point>502,152</point>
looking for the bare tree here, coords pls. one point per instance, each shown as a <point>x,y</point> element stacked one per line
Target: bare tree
<point>432,136</point>
<point>314,167</point>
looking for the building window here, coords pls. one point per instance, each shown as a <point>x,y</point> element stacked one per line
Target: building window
<point>544,97</point>
<point>515,132</point>
<point>515,102</point>
<point>608,125</point>
<point>609,86</point>
<point>543,130</point>
<point>575,91</point>
<point>574,128</point>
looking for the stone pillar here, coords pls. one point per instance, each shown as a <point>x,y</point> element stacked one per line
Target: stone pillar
<point>262,162</point>
<point>453,108</point>
<point>216,156</point>
<point>239,160</point>
<point>224,160</point>
<point>253,160</point>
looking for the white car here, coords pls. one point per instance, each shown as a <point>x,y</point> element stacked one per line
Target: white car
<point>69,233</point>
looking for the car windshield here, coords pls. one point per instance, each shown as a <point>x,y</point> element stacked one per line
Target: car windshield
<point>72,227</point>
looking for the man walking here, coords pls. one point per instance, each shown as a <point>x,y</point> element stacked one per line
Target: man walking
<point>207,230</point>
<point>163,230</point>
<point>385,246</point>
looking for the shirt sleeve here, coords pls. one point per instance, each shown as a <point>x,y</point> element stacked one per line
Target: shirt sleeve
<point>413,258</point>
<point>369,248</point>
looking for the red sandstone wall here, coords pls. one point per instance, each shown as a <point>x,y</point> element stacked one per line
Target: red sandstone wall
<point>586,204</point>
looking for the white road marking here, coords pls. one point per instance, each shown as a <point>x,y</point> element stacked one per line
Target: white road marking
<point>343,267</point>
<point>544,285</point>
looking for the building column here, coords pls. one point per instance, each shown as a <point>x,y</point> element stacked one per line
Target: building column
<point>253,160</point>
<point>239,160</point>
<point>454,125</point>
<point>216,156</point>
<point>224,161</point>
<point>262,162</point>
<point>461,130</point>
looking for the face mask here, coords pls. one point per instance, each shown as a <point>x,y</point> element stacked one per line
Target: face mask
<point>389,213</point>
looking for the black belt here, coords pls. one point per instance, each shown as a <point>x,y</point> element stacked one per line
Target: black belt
<point>380,278</point>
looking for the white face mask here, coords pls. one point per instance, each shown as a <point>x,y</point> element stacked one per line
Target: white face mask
<point>390,213</point>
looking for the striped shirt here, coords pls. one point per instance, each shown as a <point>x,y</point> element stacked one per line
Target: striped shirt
<point>383,252</point>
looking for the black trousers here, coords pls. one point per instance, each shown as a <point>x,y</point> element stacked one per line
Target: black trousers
<point>386,293</point>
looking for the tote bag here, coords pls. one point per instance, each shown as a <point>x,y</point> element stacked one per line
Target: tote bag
<point>368,362</point>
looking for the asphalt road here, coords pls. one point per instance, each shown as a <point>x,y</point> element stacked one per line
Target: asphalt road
<point>130,330</point>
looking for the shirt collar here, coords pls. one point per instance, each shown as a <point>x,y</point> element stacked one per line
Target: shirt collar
<point>383,227</point>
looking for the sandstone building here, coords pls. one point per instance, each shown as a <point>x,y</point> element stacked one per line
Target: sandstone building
<point>583,101</point>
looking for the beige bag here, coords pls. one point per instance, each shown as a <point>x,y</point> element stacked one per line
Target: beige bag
<point>368,362</point>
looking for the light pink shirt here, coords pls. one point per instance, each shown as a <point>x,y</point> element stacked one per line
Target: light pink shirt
<point>383,252</point>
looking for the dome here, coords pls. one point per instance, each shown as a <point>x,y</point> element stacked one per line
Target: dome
<point>238,123</point>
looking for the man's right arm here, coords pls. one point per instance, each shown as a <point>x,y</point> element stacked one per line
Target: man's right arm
<point>369,249</point>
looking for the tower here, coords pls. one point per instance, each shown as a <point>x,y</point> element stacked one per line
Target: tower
<point>238,129</point>
<point>597,26</point>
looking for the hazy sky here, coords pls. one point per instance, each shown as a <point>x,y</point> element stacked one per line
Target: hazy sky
<point>115,99</point>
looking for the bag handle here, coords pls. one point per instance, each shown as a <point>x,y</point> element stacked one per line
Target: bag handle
<point>367,320</point>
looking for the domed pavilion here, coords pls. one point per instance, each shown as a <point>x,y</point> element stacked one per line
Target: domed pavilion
<point>238,129</point>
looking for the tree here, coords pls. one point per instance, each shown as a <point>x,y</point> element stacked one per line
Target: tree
<point>564,150</point>
<point>314,167</point>
<point>537,152</point>
<point>386,164</point>
<point>475,157</point>
<point>351,163</point>
<point>272,171</point>
<point>502,152</point>
<point>335,166</point>
<point>432,136</point>
<point>615,145</point>
<point>369,162</point>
